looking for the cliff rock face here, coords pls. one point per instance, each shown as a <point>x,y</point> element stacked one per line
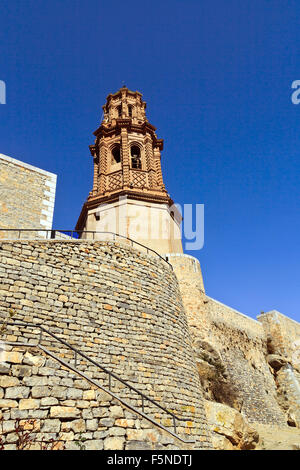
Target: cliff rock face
<point>230,431</point>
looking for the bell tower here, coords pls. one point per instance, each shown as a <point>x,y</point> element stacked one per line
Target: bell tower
<point>128,195</point>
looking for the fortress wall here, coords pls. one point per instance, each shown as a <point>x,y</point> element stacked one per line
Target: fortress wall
<point>224,338</point>
<point>285,333</point>
<point>27,196</point>
<point>189,275</point>
<point>241,343</point>
<point>61,410</point>
<point>118,306</point>
<point>236,339</point>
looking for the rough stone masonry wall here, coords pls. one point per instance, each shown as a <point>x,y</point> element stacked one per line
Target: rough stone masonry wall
<point>230,349</point>
<point>118,306</point>
<point>242,345</point>
<point>60,410</point>
<point>27,196</point>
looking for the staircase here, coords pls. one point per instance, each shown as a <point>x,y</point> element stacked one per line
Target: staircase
<point>78,356</point>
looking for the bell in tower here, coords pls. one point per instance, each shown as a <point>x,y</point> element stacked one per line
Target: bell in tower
<point>128,195</point>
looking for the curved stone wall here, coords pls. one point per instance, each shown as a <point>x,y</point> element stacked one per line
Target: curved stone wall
<point>118,306</point>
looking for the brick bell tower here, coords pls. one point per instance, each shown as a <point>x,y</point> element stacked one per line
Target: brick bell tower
<point>128,195</point>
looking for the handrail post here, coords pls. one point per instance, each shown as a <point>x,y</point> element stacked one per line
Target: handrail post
<point>41,334</point>
<point>143,403</point>
<point>75,358</point>
<point>109,381</point>
<point>174,424</point>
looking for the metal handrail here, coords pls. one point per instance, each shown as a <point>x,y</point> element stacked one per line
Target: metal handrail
<point>80,232</point>
<point>110,374</point>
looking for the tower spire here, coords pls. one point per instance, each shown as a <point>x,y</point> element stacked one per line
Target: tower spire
<point>127,164</point>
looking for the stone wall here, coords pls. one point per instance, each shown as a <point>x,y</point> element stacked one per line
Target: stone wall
<point>230,349</point>
<point>27,196</point>
<point>189,275</point>
<point>59,410</point>
<point>242,344</point>
<point>118,306</point>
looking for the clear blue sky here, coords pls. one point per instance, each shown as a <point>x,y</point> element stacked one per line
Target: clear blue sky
<point>216,76</point>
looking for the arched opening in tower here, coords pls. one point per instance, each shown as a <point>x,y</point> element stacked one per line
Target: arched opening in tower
<point>116,155</point>
<point>136,157</point>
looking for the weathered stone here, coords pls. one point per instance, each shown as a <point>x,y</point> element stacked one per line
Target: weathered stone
<point>116,431</point>
<point>138,445</point>
<point>17,392</point>
<point>74,393</point>
<point>40,392</point>
<point>8,426</point>
<point>116,412</point>
<point>35,381</point>
<point>33,360</point>
<point>8,381</point>
<point>124,423</point>
<point>4,368</point>
<point>114,443</point>
<point>21,371</point>
<point>78,425</point>
<point>64,412</point>
<point>91,424</point>
<point>95,444</point>
<point>29,404</point>
<point>89,395</point>
<point>59,392</point>
<point>12,357</point>
<point>228,422</point>
<point>49,401</point>
<point>276,361</point>
<point>51,425</point>
<point>102,396</point>
<point>66,436</point>
<point>107,422</point>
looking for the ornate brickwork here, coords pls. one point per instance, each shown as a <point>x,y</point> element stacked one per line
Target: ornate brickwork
<point>138,179</point>
<point>126,139</point>
<point>115,180</point>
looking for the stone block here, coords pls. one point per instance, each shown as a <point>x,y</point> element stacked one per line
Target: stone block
<point>91,424</point>
<point>21,371</point>
<point>8,381</point>
<point>74,393</point>
<point>40,392</point>
<point>64,412</point>
<point>12,357</point>
<point>116,412</point>
<point>78,425</point>
<point>49,401</point>
<point>17,392</point>
<point>89,395</point>
<point>124,423</point>
<point>95,444</point>
<point>114,443</point>
<point>29,404</point>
